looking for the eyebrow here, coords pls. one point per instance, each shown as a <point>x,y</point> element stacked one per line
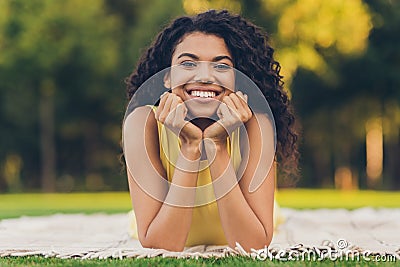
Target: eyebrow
<point>217,58</point>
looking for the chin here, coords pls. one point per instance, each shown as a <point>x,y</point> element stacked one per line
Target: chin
<point>203,110</point>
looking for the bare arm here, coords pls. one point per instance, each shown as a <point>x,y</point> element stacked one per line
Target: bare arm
<point>160,225</point>
<point>246,217</point>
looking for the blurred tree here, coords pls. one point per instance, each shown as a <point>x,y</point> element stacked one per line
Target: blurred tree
<point>309,29</point>
<point>343,56</point>
<point>192,7</point>
<point>53,73</point>
<point>62,92</point>
<point>62,99</point>
<point>366,88</point>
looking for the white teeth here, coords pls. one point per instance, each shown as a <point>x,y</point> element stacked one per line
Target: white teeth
<point>204,94</point>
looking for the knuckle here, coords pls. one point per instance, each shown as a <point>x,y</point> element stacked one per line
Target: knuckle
<point>162,118</point>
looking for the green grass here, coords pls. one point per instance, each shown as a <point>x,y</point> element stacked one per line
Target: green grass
<point>325,198</point>
<point>158,261</point>
<point>15,205</point>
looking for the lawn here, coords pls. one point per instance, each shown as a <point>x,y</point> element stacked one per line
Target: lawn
<point>158,261</point>
<point>15,205</point>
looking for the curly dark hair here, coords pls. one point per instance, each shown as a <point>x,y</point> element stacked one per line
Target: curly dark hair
<point>252,55</point>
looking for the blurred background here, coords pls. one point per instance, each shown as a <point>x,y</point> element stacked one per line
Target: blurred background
<point>62,91</point>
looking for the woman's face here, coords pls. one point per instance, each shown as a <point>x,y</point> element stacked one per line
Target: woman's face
<point>201,73</point>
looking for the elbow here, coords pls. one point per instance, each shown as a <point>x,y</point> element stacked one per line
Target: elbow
<point>169,247</point>
<point>255,244</point>
<point>269,238</point>
<point>158,244</point>
<point>263,242</point>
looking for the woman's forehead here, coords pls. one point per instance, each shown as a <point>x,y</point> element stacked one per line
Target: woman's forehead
<point>204,46</point>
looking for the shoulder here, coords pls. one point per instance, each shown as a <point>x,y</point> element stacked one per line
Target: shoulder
<point>140,117</point>
<point>139,112</point>
<point>140,123</point>
<point>258,135</point>
<point>259,123</point>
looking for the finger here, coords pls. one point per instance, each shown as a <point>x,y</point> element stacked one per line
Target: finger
<point>228,101</point>
<point>161,105</point>
<point>241,95</point>
<point>180,114</point>
<point>227,120</point>
<point>166,108</point>
<point>172,110</point>
<point>223,111</point>
<point>245,111</point>
<point>174,103</point>
<point>231,105</point>
<point>246,107</point>
<point>238,100</point>
<point>163,98</point>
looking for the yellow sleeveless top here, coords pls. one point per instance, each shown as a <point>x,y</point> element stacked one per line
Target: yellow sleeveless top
<point>206,228</point>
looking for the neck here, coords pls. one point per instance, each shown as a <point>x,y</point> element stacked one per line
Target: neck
<point>202,123</point>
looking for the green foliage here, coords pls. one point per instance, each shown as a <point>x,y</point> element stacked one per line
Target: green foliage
<point>69,59</point>
<point>335,112</point>
<point>55,49</point>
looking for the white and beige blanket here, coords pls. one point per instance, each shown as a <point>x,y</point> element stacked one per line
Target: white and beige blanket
<point>322,232</point>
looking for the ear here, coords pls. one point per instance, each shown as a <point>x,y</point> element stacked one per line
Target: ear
<point>167,80</point>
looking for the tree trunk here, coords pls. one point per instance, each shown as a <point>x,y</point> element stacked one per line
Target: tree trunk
<point>396,173</point>
<point>47,143</point>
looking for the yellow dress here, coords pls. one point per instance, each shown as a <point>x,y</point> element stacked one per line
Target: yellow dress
<point>206,228</point>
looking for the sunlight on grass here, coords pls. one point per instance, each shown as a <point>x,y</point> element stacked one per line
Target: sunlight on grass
<point>15,205</point>
<point>325,198</point>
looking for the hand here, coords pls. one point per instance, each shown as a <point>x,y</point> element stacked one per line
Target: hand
<point>172,112</point>
<point>232,112</point>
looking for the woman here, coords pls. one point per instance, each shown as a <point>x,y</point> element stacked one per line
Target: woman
<point>203,134</point>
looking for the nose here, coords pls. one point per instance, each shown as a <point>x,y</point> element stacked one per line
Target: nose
<point>204,73</point>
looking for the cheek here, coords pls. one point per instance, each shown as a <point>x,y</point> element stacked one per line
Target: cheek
<point>226,80</point>
<point>180,76</point>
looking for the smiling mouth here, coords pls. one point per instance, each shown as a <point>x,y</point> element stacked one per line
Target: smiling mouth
<point>203,94</point>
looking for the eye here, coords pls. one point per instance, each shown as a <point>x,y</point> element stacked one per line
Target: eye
<point>188,64</point>
<point>222,67</point>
